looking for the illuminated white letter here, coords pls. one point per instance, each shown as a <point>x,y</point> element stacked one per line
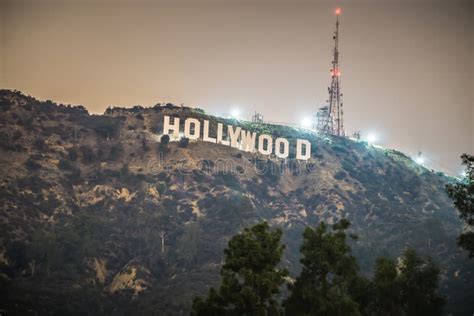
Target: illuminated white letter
<point>234,135</point>
<point>187,128</point>
<point>299,149</point>
<point>248,141</point>
<point>167,126</point>
<point>219,135</point>
<point>206,137</point>
<point>269,140</point>
<point>286,149</point>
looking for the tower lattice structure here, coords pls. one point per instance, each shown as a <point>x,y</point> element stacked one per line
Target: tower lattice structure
<point>330,117</point>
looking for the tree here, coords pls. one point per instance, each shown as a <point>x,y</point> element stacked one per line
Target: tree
<point>183,142</point>
<point>329,273</point>
<point>419,278</point>
<point>250,277</point>
<point>72,154</point>
<point>87,153</point>
<point>105,126</point>
<point>163,146</point>
<point>188,244</point>
<point>386,291</point>
<point>145,146</point>
<point>408,287</point>
<point>17,253</point>
<point>462,193</point>
<point>165,139</point>
<point>43,252</point>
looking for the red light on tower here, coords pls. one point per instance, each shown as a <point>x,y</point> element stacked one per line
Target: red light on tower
<point>335,72</point>
<point>338,11</point>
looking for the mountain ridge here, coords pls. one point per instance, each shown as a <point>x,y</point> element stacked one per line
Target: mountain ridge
<point>142,224</point>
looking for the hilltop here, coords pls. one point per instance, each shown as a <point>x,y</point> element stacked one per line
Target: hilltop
<point>97,215</point>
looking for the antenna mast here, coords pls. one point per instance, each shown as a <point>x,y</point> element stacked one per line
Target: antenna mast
<point>257,118</point>
<point>330,117</point>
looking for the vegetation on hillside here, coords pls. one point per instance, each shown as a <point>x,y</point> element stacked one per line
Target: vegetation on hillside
<point>101,213</point>
<point>329,284</point>
<point>250,276</point>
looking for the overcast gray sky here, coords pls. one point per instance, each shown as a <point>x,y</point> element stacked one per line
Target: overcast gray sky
<point>407,66</point>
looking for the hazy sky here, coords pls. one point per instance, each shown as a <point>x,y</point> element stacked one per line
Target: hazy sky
<point>407,66</point>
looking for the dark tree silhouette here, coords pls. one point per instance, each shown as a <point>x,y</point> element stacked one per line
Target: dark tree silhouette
<point>250,277</point>
<point>329,271</point>
<point>462,193</point>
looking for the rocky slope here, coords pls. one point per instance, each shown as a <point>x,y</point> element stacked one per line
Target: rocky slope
<point>96,216</point>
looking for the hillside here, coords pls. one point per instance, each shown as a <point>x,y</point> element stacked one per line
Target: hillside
<point>97,216</point>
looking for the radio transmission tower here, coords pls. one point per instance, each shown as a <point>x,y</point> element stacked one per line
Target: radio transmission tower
<point>257,118</point>
<point>330,117</point>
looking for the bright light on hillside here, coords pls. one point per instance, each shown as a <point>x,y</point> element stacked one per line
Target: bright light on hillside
<point>235,113</point>
<point>306,122</point>
<point>371,138</point>
<point>463,174</point>
<point>420,160</point>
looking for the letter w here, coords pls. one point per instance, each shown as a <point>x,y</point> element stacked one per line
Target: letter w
<point>248,140</point>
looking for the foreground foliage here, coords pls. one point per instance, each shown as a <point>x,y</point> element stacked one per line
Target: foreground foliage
<point>250,276</point>
<point>462,194</point>
<point>329,274</point>
<point>329,283</point>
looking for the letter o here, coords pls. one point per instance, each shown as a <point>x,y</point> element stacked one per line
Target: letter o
<point>278,144</point>
<point>187,128</point>
<point>261,148</point>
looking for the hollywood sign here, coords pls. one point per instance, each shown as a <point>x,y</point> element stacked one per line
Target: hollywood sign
<point>235,137</point>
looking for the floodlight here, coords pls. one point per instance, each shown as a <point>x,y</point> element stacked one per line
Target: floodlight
<point>420,160</point>
<point>235,113</point>
<point>371,138</point>
<point>306,122</point>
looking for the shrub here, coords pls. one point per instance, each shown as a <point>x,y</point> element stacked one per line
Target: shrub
<point>74,176</point>
<point>227,179</point>
<point>165,139</point>
<point>4,105</point>
<point>340,175</point>
<point>72,154</point>
<point>65,165</point>
<point>145,146</point>
<point>33,182</point>
<point>104,126</point>
<point>183,142</point>
<point>17,252</point>
<point>32,165</point>
<point>40,144</point>
<point>87,154</point>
